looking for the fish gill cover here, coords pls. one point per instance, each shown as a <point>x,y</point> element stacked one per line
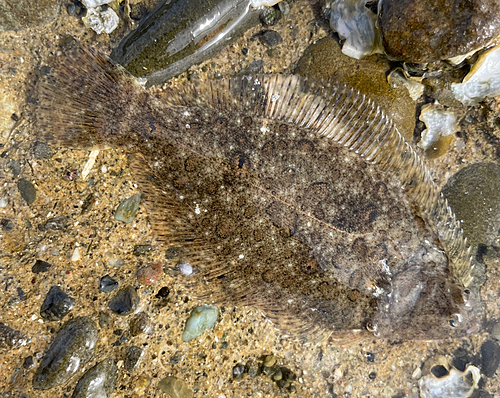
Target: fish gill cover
<point>296,197</point>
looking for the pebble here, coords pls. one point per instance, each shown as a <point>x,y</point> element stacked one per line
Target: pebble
<point>57,304</point>
<point>185,268</point>
<point>24,14</point>
<point>202,318</point>
<point>116,262</point>
<point>270,16</point>
<point>132,359</point>
<point>490,358</point>
<point>150,274</point>
<point>10,338</point>
<point>472,194</point>
<point>140,250</point>
<point>163,292</point>
<point>15,167</point>
<point>41,150</point>
<point>105,320</point>
<point>126,210</point>
<point>27,190</point>
<point>125,301</point>
<point>140,323</point>
<point>40,266</point>
<point>72,347</point>
<point>175,387</point>
<point>98,382</point>
<point>423,31</point>
<point>107,284</point>
<point>270,38</point>
<point>7,225</point>
<point>58,223</point>
<point>76,255</point>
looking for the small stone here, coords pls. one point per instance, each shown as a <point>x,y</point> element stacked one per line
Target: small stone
<point>175,387</point>
<point>72,347</point>
<point>57,304</point>
<point>99,381</point>
<point>107,284</point>
<point>105,320</point>
<point>28,362</point>
<point>270,16</point>
<point>7,225</point>
<point>27,190</point>
<point>40,266</point>
<point>101,19</point>
<point>163,292</point>
<point>278,375</point>
<point>10,338</point>
<point>490,358</point>
<point>370,356</point>
<point>15,167</point>
<point>125,301</point>
<point>116,262</point>
<point>41,150</point>
<point>252,368</point>
<point>139,324</point>
<point>126,210</point>
<point>76,255</point>
<point>140,250</point>
<point>185,268</point>
<point>132,359</point>
<point>58,223</point>
<point>269,360</point>
<point>238,371</point>
<point>3,203</point>
<point>202,318</point>
<point>270,38</point>
<point>149,274</point>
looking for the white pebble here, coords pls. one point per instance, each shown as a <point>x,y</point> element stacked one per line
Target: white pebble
<point>3,203</point>
<point>76,255</point>
<point>185,268</point>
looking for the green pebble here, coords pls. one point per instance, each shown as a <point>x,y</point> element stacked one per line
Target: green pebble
<point>175,388</point>
<point>27,190</point>
<point>126,210</point>
<point>202,318</point>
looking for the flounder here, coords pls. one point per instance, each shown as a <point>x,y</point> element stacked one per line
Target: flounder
<point>295,197</point>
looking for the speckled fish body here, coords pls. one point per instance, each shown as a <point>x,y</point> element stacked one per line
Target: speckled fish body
<point>283,195</point>
<point>181,33</point>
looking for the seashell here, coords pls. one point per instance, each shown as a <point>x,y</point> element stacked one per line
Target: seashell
<point>455,384</point>
<point>482,81</point>
<point>439,123</point>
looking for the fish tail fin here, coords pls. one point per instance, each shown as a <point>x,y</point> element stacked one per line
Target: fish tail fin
<point>86,101</point>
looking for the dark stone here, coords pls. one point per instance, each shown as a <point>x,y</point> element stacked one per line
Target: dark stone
<point>58,223</point>
<point>21,294</point>
<point>270,38</point>
<point>98,381</point>
<point>134,354</point>
<point>472,194</point>
<point>140,323</point>
<point>163,292</point>
<point>238,370</point>
<point>72,347</point>
<point>10,338</point>
<point>372,376</point>
<point>28,362</point>
<point>125,301</point>
<point>423,31</point>
<point>15,167</point>
<point>140,250</point>
<point>256,66</point>
<point>107,284</point>
<point>27,190</point>
<point>490,358</point>
<point>57,304</point>
<point>439,371</point>
<point>40,266</point>
<point>24,14</point>
<point>370,356</point>
<point>41,150</point>
<point>7,225</point>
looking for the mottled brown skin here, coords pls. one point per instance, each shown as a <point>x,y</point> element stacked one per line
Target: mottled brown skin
<point>269,214</point>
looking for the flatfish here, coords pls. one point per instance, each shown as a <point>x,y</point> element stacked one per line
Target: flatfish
<point>295,197</point>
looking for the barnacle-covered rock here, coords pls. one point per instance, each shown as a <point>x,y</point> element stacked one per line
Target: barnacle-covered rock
<point>432,30</point>
<point>482,81</point>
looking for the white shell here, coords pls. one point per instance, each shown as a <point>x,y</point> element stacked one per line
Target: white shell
<point>101,21</point>
<point>355,23</point>
<point>482,81</point>
<point>455,385</point>
<point>439,123</point>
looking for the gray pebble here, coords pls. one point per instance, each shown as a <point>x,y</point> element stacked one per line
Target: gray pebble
<point>270,38</point>
<point>57,304</point>
<point>41,150</point>
<point>98,382</point>
<point>490,358</point>
<point>27,190</point>
<point>139,324</point>
<point>105,320</point>
<point>7,225</point>
<point>15,167</point>
<point>10,338</point>
<point>202,318</point>
<point>107,284</point>
<point>40,266</point>
<point>58,223</point>
<point>132,359</point>
<point>140,250</point>
<point>72,347</point>
<point>175,387</point>
<point>125,301</point>
<point>126,210</point>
